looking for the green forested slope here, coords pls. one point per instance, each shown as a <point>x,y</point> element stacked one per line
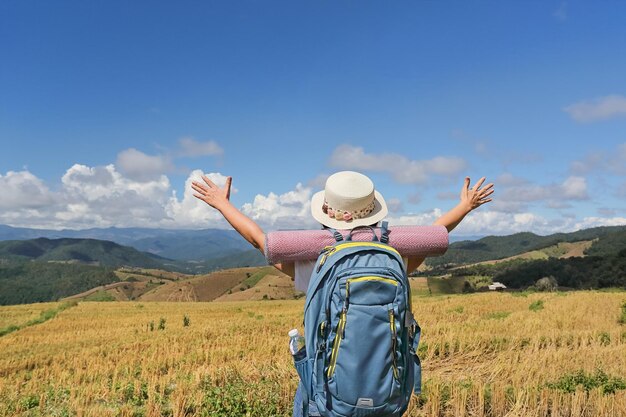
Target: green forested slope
<point>498,247</point>
<point>604,265</point>
<point>35,281</point>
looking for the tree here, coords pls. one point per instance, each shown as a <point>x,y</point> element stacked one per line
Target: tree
<point>546,284</point>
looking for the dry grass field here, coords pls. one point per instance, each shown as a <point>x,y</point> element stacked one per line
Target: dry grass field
<point>20,314</point>
<point>488,354</point>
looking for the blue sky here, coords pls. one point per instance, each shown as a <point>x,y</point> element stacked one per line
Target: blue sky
<point>107,109</point>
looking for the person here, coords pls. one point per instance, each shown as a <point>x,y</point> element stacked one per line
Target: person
<point>348,200</point>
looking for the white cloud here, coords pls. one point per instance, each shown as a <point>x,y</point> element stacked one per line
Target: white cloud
<point>517,192</point>
<point>601,108</point>
<point>88,197</point>
<point>574,188</point>
<point>189,147</point>
<point>95,183</point>
<point>192,212</point>
<point>23,190</point>
<point>415,219</point>
<point>291,210</point>
<point>142,167</point>
<point>489,222</point>
<point>102,196</point>
<point>105,196</point>
<point>480,222</point>
<point>402,169</point>
<point>588,222</point>
<point>499,223</point>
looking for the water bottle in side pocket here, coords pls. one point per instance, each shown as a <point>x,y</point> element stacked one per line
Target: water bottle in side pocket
<point>296,345</point>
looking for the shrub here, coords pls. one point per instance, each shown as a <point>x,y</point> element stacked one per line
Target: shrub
<point>498,315</point>
<point>604,338</point>
<point>546,284</point>
<point>536,305</point>
<point>570,382</point>
<point>29,402</point>
<point>162,323</point>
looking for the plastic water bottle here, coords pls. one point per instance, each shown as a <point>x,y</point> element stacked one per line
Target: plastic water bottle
<point>296,345</point>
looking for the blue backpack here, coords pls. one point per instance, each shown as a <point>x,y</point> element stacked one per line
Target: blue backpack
<point>361,336</point>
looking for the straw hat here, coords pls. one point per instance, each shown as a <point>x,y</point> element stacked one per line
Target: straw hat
<point>348,200</point>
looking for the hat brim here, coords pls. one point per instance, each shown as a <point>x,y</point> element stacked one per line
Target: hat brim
<point>379,213</point>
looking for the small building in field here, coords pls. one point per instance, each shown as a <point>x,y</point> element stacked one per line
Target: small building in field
<point>496,286</point>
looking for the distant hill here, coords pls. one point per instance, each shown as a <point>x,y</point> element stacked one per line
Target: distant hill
<point>108,253</point>
<point>235,284</point>
<point>48,269</point>
<point>87,251</point>
<point>600,263</point>
<point>45,269</point>
<point>498,247</point>
<point>173,244</point>
<point>200,288</point>
<point>34,281</point>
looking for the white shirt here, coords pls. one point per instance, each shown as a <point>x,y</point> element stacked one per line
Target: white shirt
<point>304,269</point>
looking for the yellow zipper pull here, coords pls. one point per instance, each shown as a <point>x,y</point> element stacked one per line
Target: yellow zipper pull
<point>328,250</point>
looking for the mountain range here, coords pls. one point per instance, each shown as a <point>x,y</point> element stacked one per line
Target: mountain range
<point>44,269</point>
<point>186,245</point>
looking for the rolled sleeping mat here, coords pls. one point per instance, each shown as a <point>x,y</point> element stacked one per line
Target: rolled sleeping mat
<point>302,245</point>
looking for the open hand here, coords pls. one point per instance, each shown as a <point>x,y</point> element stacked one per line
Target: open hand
<point>475,197</point>
<point>210,193</point>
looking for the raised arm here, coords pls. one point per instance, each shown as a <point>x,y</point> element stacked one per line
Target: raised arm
<point>219,199</point>
<point>470,199</point>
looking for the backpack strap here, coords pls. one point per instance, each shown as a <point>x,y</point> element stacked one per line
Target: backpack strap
<point>417,365</point>
<point>384,232</point>
<point>374,238</point>
<point>338,236</point>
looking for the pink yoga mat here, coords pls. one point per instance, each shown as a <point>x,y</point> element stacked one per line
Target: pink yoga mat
<point>300,245</point>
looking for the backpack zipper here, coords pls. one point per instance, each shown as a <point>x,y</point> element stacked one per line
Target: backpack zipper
<point>371,278</point>
<point>329,250</point>
<point>338,337</point>
<point>392,325</point>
